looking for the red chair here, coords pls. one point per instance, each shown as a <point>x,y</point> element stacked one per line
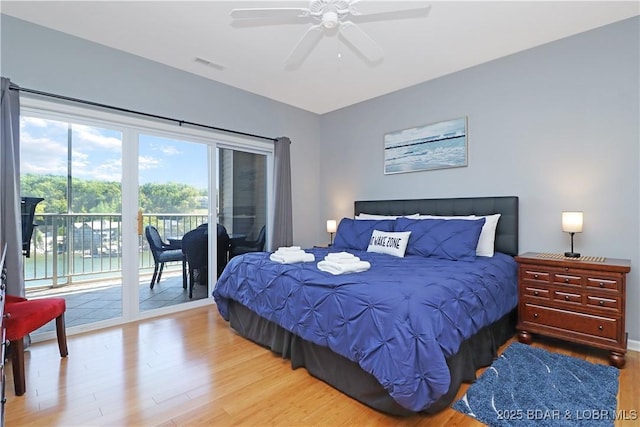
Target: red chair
<point>23,316</point>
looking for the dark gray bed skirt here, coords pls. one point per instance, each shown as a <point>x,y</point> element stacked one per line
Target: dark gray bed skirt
<point>349,378</point>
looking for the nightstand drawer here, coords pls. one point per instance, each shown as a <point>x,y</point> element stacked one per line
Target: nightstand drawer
<point>537,292</point>
<point>578,322</point>
<point>567,279</point>
<point>569,297</point>
<point>542,276</point>
<point>604,302</point>
<point>610,283</point>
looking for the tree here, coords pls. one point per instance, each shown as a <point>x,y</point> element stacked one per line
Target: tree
<point>93,196</point>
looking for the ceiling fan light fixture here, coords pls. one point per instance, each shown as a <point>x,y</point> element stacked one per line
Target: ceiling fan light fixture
<point>329,19</point>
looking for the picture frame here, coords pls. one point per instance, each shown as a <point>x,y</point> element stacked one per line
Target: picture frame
<point>437,145</point>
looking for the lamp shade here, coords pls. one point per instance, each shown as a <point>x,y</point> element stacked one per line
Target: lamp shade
<point>331,226</point>
<point>572,222</point>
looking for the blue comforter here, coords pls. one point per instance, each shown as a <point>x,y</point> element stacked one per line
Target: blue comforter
<point>399,320</point>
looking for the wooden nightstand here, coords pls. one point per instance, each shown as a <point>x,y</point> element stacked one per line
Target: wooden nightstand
<point>577,300</point>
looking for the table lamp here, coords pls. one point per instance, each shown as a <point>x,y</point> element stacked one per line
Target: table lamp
<point>572,224</point>
<point>331,228</point>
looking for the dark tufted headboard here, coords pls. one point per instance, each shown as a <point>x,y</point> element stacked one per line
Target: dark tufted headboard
<point>506,233</point>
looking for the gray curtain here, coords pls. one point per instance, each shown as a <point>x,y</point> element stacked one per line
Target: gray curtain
<point>282,233</point>
<point>10,216</point>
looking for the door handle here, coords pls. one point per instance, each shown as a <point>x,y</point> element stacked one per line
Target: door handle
<point>139,222</point>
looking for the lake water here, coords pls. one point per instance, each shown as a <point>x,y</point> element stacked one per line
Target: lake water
<point>428,155</point>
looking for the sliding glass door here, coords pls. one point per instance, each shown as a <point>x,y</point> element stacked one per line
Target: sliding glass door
<point>173,197</point>
<point>113,185</point>
<point>242,199</point>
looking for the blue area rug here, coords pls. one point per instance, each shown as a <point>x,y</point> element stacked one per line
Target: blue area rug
<point>531,386</point>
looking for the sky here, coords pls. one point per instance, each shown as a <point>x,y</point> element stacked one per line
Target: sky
<point>97,154</point>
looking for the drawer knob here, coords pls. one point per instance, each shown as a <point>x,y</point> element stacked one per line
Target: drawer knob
<point>535,276</point>
<point>566,280</point>
<point>566,297</point>
<point>535,315</point>
<point>601,302</point>
<point>602,284</point>
<point>535,293</point>
<point>566,269</point>
<point>600,327</point>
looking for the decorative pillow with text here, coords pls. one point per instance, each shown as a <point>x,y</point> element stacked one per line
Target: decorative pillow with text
<point>389,242</point>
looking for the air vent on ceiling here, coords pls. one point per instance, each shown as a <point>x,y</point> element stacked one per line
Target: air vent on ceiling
<point>208,63</point>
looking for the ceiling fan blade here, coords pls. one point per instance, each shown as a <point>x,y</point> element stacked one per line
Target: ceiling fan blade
<point>260,13</point>
<point>378,10</point>
<point>360,41</point>
<point>304,46</point>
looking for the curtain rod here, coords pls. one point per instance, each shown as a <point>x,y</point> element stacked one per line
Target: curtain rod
<point>125,110</point>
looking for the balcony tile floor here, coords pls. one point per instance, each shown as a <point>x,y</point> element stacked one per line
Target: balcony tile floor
<point>93,303</point>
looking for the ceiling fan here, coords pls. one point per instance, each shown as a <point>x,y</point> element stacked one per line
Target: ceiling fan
<point>331,16</point>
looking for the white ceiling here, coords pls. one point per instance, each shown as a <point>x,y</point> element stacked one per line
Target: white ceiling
<point>455,35</point>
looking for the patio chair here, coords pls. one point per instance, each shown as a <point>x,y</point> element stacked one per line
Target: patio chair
<point>28,210</point>
<point>196,252</point>
<point>163,252</point>
<point>195,248</point>
<point>242,246</point>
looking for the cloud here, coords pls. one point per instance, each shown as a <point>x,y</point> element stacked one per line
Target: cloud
<point>145,163</point>
<point>94,138</point>
<point>42,155</point>
<point>36,122</point>
<point>43,150</point>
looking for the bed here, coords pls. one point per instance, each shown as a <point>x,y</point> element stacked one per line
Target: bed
<point>402,336</point>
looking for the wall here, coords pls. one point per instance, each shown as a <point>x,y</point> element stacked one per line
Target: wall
<point>39,58</point>
<point>557,125</point>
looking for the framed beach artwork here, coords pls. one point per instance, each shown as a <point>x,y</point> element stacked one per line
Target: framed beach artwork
<point>436,146</point>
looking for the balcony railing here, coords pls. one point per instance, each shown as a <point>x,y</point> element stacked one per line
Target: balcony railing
<point>72,248</point>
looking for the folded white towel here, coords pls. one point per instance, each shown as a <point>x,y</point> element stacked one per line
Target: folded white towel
<point>345,260</point>
<point>288,248</point>
<point>289,252</point>
<point>333,256</point>
<point>285,258</point>
<point>342,268</point>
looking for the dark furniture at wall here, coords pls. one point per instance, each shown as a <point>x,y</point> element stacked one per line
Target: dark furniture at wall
<point>163,252</point>
<point>242,245</point>
<point>28,210</point>
<point>574,300</point>
<point>5,343</point>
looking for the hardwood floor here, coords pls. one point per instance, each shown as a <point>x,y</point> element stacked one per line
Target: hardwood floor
<point>190,369</point>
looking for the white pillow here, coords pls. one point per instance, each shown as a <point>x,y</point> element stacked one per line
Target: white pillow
<point>388,242</point>
<point>374,216</point>
<point>487,238</point>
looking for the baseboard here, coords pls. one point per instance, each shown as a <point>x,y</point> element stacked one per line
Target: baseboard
<point>633,345</point>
